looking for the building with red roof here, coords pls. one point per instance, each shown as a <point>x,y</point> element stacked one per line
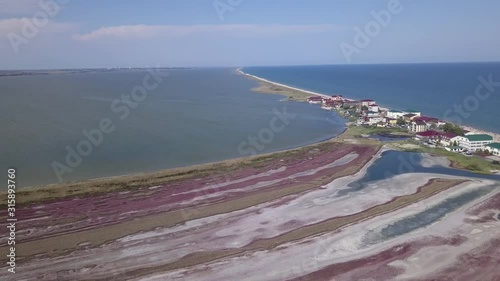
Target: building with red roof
<point>447,138</point>
<point>315,99</point>
<point>428,135</point>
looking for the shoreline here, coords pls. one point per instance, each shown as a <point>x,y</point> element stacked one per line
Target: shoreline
<point>202,165</point>
<point>281,85</point>
<point>496,136</point>
<point>39,194</point>
<point>133,181</point>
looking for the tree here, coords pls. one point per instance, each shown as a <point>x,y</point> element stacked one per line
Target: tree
<point>448,127</point>
<point>452,128</point>
<point>401,122</point>
<point>455,143</point>
<point>364,108</point>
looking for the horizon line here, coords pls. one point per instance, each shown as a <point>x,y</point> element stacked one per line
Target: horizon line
<point>239,66</point>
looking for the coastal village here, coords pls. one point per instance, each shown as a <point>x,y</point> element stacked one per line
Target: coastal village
<point>429,131</point>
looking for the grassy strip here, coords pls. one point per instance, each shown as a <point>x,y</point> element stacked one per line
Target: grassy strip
<point>268,88</point>
<point>458,160</point>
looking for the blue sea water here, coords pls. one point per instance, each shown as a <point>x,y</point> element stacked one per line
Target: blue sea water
<point>437,90</point>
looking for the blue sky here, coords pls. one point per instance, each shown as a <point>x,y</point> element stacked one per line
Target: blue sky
<point>121,33</point>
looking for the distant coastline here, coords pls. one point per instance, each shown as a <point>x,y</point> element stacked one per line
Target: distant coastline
<point>13,73</point>
<point>306,92</point>
<point>496,136</point>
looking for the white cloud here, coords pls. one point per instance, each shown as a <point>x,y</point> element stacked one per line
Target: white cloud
<point>138,31</point>
<point>17,25</point>
<point>18,7</point>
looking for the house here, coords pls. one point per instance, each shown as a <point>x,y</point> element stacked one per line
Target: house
<point>441,123</point>
<point>475,142</point>
<point>374,120</point>
<point>391,121</point>
<point>493,148</point>
<point>337,98</point>
<point>446,139</point>
<point>315,100</point>
<point>395,114</point>
<point>427,119</point>
<point>328,104</point>
<point>428,135</point>
<point>418,127</point>
<point>373,107</point>
<point>454,148</point>
<point>372,114</point>
<point>366,102</point>
<point>351,103</point>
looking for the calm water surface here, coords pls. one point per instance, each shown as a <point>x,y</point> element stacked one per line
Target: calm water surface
<point>193,116</point>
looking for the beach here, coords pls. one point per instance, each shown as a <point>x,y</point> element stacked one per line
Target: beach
<point>302,91</point>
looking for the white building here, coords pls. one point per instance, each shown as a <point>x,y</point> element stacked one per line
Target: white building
<point>418,126</point>
<point>447,139</point>
<point>394,114</point>
<point>372,114</point>
<point>417,113</point>
<point>366,102</point>
<point>456,140</point>
<point>475,142</point>
<point>374,108</point>
<point>493,148</point>
<point>374,120</point>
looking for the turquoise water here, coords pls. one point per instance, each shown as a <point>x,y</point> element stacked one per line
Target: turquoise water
<point>434,89</point>
<point>193,116</point>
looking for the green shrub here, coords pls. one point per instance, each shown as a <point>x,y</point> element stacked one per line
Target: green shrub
<point>473,167</point>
